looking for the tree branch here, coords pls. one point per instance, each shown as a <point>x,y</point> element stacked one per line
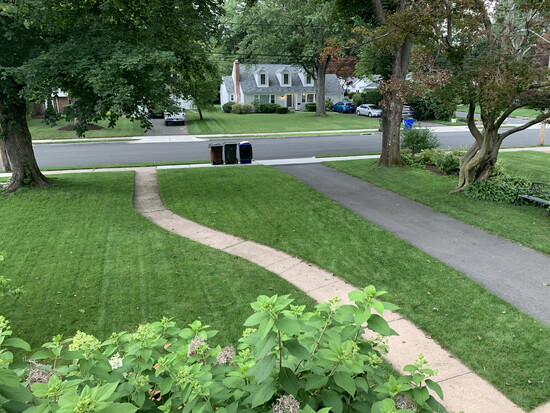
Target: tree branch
<point>538,119</point>
<point>470,119</point>
<point>379,11</point>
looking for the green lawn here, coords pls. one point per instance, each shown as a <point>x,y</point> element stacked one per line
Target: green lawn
<point>218,122</point>
<point>507,347</point>
<point>88,261</point>
<point>530,113</point>
<point>527,225</point>
<point>124,127</point>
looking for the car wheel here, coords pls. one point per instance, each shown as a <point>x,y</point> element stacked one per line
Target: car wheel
<point>166,123</point>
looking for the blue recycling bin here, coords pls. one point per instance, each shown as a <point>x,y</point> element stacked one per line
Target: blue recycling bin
<point>245,152</point>
<point>408,123</point>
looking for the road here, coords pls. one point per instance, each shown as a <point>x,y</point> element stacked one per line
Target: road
<point>84,154</point>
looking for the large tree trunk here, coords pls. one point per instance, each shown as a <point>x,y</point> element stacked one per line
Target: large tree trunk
<point>478,162</point>
<point>320,94</point>
<point>18,145</point>
<point>393,106</point>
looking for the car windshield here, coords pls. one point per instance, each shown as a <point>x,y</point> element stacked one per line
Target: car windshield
<point>374,106</point>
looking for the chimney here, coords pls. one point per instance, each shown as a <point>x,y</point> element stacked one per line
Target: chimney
<point>236,81</point>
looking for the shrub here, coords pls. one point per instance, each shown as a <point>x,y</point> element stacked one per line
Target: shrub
<point>227,107</point>
<point>371,96</point>
<point>448,161</point>
<point>312,361</point>
<point>256,105</point>
<point>311,107</point>
<point>281,110</point>
<point>328,104</point>
<point>247,109</point>
<point>419,139</point>
<point>357,99</point>
<point>429,107</point>
<point>500,187</point>
<point>268,107</point>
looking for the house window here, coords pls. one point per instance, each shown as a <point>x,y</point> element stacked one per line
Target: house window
<point>263,79</point>
<point>286,78</point>
<point>308,98</point>
<point>309,80</point>
<point>265,98</point>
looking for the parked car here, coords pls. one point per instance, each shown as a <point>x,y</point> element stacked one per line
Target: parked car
<point>369,110</point>
<point>407,112</point>
<point>343,107</point>
<point>174,118</point>
<point>155,113</point>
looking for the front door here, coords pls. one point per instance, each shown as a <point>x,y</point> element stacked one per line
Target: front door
<point>289,101</point>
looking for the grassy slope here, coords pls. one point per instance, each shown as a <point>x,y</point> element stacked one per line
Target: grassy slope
<point>88,261</point>
<point>217,122</point>
<point>527,225</point>
<point>124,127</point>
<point>508,348</point>
<point>531,113</point>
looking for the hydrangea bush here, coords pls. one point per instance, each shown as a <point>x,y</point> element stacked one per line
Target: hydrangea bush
<point>288,360</point>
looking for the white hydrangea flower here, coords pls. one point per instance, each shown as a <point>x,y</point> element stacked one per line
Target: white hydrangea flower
<point>115,361</point>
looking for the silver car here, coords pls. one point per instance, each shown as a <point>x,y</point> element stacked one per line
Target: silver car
<point>369,110</point>
<point>174,118</point>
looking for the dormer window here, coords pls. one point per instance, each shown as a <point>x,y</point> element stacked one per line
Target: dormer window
<point>263,79</point>
<point>309,80</point>
<point>286,79</point>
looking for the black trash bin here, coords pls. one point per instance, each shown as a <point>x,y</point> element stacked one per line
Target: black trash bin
<point>230,152</point>
<point>216,153</point>
<point>245,152</point>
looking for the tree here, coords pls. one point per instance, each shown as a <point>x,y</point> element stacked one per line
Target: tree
<point>290,31</point>
<point>112,58</point>
<point>495,68</point>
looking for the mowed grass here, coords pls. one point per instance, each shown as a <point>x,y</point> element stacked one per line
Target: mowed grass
<point>124,127</point>
<point>507,347</point>
<point>523,112</point>
<point>87,261</point>
<point>526,224</point>
<point>219,122</point>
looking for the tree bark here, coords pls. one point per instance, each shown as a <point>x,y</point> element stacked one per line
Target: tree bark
<point>320,94</point>
<point>18,146</point>
<point>393,107</point>
<point>4,161</point>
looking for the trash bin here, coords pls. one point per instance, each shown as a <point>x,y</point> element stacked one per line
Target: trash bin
<point>230,152</point>
<point>245,152</point>
<point>408,123</point>
<point>216,155</point>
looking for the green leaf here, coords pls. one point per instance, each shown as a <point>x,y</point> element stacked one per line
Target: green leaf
<point>345,381</point>
<point>288,381</point>
<point>9,378</point>
<point>233,382</point>
<point>17,394</point>
<point>378,306</point>
<point>120,408</point>
<point>288,326</point>
<point>41,408</point>
<point>380,326</point>
<point>40,390</point>
<point>265,392</point>
<point>101,394</point>
<point>166,385</point>
<point>384,406</point>
<point>296,349</point>
<point>362,315</point>
<point>316,381</point>
<point>333,400</point>
<point>265,345</point>
<point>435,387</point>
<point>17,343</point>
<point>390,306</point>
<point>263,368</point>
<point>41,354</point>
<point>421,395</point>
<point>256,319</point>
<point>356,295</point>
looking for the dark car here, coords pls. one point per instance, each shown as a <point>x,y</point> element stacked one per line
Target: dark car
<point>343,107</point>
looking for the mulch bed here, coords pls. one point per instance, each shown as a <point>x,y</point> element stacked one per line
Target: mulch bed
<point>434,169</point>
<point>88,127</point>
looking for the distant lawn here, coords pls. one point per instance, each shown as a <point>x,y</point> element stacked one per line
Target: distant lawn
<point>503,345</point>
<point>88,261</point>
<point>123,128</point>
<point>527,225</point>
<point>530,113</point>
<point>218,122</point>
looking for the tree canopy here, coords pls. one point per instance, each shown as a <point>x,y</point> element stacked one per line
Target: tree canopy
<point>112,58</point>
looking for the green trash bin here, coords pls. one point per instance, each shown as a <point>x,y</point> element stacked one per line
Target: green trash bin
<point>230,152</point>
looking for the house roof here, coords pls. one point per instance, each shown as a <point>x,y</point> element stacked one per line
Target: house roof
<point>249,85</point>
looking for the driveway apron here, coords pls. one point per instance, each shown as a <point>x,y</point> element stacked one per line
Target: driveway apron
<point>515,273</point>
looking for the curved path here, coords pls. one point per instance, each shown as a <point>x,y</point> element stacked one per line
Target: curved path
<point>463,389</point>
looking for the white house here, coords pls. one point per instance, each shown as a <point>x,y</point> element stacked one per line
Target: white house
<point>287,85</point>
<point>355,85</point>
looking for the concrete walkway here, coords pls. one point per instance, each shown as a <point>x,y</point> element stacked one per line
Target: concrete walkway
<point>463,389</point>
